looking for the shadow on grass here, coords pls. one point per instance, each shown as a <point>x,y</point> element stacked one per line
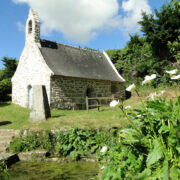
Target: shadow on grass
<point>5,123</point>
<point>56,116</point>
<point>3,104</point>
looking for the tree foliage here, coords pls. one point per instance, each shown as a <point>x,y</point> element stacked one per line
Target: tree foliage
<point>156,51</point>
<point>10,65</point>
<point>114,54</point>
<point>161,28</point>
<point>135,60</point>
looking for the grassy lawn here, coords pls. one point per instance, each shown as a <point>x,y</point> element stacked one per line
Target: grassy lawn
<point>15,117</point>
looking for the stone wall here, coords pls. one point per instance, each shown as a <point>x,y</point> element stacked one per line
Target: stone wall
<point>31,70</point>
<point>69,93</point>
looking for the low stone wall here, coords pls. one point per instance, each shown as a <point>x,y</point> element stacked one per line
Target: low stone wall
<point>70,93</point>
<point>38,155</point>
<point>9,158</point>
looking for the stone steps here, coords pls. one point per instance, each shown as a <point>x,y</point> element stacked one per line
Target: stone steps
<point>5,142</point>
<point>8,132</point>
<point>6,136</point>
<point>3,149</point>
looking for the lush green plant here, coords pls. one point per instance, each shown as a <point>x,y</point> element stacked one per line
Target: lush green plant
<point>4,175</point>
<point>149,148</point>
<point>74,143</point>
<point>78,143</point>
<point>32,141</point>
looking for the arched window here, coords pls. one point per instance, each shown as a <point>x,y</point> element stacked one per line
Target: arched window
<point>30,27</point>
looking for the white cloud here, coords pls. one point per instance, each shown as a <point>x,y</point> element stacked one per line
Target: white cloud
<point>133,13</point>
<point>82,20</point>
<point>21,26</point>
<point>78,20</point>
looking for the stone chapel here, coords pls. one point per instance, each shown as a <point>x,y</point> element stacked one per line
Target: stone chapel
<point>68,73</point>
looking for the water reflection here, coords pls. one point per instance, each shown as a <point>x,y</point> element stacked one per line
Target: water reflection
<point>53,171</point>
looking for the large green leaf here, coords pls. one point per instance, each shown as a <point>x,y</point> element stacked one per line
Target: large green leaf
<point>129,136</point>
<point>178,149</point>
<point>164,129</point>
<point>145,175</point>
<point>155,154</point>
<point>174,173</point>
<point>165,173</point>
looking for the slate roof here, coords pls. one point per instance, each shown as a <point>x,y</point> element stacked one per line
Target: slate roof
<point>70,61</point>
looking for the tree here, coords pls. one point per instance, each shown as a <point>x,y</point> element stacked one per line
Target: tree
<point>6,74</point>
<point>162,28</point>
<point>10,65</point>
<point>113,54</point>
<point>174,48</point>
<point>135,60</point>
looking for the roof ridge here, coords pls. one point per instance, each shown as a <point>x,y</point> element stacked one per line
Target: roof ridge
<point>72,46</point>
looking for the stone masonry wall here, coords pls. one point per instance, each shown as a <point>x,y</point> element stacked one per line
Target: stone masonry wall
<point>67,92</point>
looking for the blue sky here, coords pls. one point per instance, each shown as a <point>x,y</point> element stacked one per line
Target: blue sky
<point>110,31</point>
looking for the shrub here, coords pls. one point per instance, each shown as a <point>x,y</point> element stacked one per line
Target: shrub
<point>5,89</point>
<point>3,170</point>
<point>10,65</point>
<point>33,140</point>
<point>77,143</point>
<point>149,148</point>
<point>74,144</point>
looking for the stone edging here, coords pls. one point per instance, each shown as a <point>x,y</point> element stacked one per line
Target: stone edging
<point>34,156</point>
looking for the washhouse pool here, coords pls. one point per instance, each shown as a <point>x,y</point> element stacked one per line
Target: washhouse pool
<point>53,171</point>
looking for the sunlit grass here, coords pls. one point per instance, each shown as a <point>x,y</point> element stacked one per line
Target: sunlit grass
<point>16,117</point>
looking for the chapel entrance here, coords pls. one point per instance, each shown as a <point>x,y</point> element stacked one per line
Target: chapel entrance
<point>30,95</point>
<point>89,93</point>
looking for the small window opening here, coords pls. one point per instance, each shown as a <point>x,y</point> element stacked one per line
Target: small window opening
<point>114,89</point>
<point>30,27</point>
<point>89,93</point>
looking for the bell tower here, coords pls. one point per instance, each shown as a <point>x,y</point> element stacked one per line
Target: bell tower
<point>33,27</point>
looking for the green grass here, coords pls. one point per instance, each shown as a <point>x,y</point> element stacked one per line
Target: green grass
<point>16,117</point>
